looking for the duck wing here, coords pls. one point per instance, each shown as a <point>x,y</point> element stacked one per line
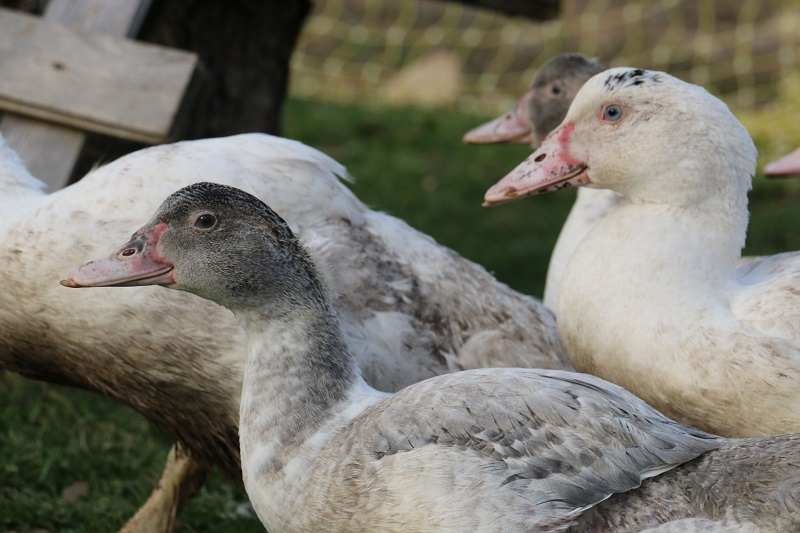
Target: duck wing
<point>543,446</point>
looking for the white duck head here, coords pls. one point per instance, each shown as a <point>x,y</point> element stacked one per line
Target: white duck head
<point>627,123</point>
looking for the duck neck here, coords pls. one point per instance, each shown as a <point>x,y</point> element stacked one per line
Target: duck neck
<point>298,375</point>
<point>590,208</point>
<point>715,226</point>
<point>707,196</point>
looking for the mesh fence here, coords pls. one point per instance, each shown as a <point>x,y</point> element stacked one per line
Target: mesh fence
<point>443,53</point>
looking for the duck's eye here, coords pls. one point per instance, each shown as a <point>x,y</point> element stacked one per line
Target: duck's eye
<point>205,222</point>
<point>612,113</point>
<point>556,89</point>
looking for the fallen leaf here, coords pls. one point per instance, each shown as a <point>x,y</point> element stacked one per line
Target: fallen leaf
<point>75,491</point>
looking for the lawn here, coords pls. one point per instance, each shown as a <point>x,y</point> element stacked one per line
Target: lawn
<point>73,461</point>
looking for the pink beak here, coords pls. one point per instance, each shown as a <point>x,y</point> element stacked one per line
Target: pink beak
<point>134,263</point>
<point>788,165</point>
<point>549,168</point>
<point>513,127</point>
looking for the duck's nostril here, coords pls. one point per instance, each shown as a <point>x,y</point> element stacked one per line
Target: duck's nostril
<point>541,157</point>
<point>128,252</point>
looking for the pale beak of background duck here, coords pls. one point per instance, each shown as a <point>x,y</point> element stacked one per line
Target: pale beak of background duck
<point>132,264</point>
<point>549,168</point>
<point>786,166</point>
<point>513,127</point>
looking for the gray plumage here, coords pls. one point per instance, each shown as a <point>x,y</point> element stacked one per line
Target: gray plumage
<point>482,450</point>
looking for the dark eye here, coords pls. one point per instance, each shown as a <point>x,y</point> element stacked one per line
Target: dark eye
<point>205,222</point>
<point>556,89</point>
<point>612,113</point>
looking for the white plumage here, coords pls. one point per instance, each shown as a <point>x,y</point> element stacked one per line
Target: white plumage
<point>652,298</point>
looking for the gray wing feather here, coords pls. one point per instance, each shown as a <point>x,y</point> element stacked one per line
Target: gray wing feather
<point>557,436</point>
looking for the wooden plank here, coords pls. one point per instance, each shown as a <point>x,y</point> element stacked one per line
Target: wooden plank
<point>120,18</point>
<point>50,151</point>
<point>91,81</point>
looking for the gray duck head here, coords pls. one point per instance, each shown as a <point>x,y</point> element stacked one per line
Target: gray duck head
<point>542,108</point>
<point>218,242</point>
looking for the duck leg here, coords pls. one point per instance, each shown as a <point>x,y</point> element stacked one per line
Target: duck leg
<point>181,479</point>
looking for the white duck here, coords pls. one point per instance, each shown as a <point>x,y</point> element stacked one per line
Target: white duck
<point>540,110</point>
<point>501,450</point>
<point>651,299</point>
<point>410,309</point>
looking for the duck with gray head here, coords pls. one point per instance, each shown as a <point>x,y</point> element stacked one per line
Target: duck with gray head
<point>409,307</point>
<point>539,111</point>
<point>483,450</point>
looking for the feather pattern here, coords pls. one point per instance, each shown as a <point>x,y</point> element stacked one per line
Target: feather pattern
<point>481,450</point>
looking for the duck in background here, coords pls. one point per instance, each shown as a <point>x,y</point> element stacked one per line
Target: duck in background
<point>540,110</point>
<point>410,308</point>
<point>499,450</point>
<point>652,299</point>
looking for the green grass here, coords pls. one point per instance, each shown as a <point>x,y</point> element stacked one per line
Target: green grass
<point>410,163</point>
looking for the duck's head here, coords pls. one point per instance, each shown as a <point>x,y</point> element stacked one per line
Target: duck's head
<point>212,240</point>
<point>543,106</point>
<point>645,134</point>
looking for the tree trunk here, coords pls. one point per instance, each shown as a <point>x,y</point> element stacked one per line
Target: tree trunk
<point>244,48</point>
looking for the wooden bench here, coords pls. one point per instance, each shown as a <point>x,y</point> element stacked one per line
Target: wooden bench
<point>73,71</point>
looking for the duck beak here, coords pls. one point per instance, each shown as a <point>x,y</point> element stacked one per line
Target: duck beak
<point>549,168</point>
<point>788,165</point>
<point>513,127</point>
<point>134,263</point>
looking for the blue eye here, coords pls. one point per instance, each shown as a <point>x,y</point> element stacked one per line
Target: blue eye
<point>612,113</point>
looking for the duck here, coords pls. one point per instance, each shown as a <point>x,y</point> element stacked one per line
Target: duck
<point>653,289</point>
<point>410,308</point>
<point>538,112</point>
<point>498,450</point>
<point>788,165</point>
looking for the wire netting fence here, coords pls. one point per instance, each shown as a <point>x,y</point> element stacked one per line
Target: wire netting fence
<point>443,53</point>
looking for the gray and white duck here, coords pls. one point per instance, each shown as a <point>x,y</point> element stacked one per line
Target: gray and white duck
<point>410,308</point>
<point>482,450</point>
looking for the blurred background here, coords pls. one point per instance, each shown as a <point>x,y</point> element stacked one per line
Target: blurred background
<point>418,74</point>
<point>478,60</point>
<point>388,87</point>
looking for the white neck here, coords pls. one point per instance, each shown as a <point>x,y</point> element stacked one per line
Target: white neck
<point>300,384</point>
<point>647,253</point>
<point>591,206</point>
